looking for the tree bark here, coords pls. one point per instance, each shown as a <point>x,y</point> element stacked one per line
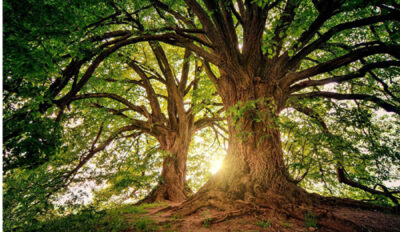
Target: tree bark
<point>172,186</point>
<point>253,171</point>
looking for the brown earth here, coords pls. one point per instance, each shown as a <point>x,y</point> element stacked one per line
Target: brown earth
<point>352,218</point>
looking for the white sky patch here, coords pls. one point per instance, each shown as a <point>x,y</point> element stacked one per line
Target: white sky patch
<point>392,184</point>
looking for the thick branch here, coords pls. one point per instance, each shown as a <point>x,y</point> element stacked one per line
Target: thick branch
<point>178,16</point>
<point>326,36</point>
<point>205,122</point>
<point>341,61</point>
<point>326,10</point>
<point>203,17</point>
<point>168,37</point>
<point>338,79</point>
<point>185,72</point>
<point>139,109</point>
<point>151,94</point>
<point>341,96</point>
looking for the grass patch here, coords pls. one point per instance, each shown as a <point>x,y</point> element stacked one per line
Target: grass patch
<point>310,219</point>
<point>207,220</point>
<point>145,224</point>
<point>85,220</point>
<point>287,224</point>
<point>264,224</point>
<point>92,219</point>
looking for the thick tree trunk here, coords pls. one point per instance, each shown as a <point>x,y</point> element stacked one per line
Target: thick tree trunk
<point>254,164</point>
<point>253,171</point>
<point>172,186</point>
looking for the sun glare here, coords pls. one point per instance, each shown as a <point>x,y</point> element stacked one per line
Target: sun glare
<point>216,165</point>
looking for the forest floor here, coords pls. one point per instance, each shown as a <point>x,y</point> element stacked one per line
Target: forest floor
<point>162,218</point>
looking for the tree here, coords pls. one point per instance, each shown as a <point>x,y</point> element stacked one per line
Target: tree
<point>263,58</point>
<point>268,54</point>
<point>170,111</point>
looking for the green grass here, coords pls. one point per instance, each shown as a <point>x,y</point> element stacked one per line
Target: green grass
<point>91,219</point>
<point>310,219</point>
<point>264,224</point>
<point>145,224</point>
<point>207,220</point>
<point>287,224</point>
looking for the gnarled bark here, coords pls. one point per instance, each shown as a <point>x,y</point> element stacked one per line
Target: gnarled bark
<point>172,186</point>
<point>253,171</point>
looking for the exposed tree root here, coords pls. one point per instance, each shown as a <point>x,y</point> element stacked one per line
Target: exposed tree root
<point>164,193</point>
<point>332,214</point>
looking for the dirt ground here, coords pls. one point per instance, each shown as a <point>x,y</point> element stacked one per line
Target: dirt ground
<point>352,219</point>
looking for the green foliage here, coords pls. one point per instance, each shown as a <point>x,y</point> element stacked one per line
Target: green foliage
<point>29,139</point>
<point>264,224</point>
<point>207,221</point>
<point>41,38</point>
<point>258,110</point>
<point>26,193</point>
<point>86,220</point>
<point>312,153</point>
<point>310,219</point>
<point>145,224</point>
<point>90,218</point>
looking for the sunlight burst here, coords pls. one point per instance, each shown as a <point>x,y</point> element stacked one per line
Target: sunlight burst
<point>215,165</point>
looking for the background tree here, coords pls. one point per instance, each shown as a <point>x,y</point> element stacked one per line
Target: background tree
<point>48,57</point>
<point>167,107</point>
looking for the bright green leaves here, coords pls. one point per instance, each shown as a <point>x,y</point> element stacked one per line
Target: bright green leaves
<point>26,193</point>
<point>36,36</point>
<point>364,141</point>
<point>260,3</point>
<point>255,110</point>
<point>260,111</point>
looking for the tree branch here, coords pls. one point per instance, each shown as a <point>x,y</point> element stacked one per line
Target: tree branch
<point>341,96</point>
<point>352,56</point>
<point>205,122</point>
<point>151,94</point>
<point>338,79</point>
<point>139,109</point>
<point>113,111</point>
<point>167,37</point>
<point>93,150</point>
<point>340,171</point>
<point>185,72</point>
<point>338,28</point>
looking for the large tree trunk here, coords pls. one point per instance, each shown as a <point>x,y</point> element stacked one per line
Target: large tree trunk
<point>253,171</point>
<point>253,177</point>
<point>172,186</point>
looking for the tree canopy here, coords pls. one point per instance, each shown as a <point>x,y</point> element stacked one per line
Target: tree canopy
<point>305,92</point>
